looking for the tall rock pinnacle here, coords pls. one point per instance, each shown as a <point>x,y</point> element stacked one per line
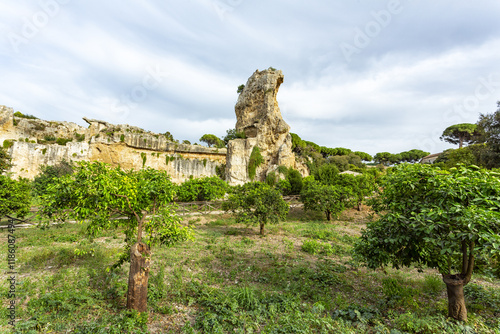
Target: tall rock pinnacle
<point>259,118</point>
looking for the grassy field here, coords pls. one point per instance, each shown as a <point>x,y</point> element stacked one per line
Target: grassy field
<point>300,278</point>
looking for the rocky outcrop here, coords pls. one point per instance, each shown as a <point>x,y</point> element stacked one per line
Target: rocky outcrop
<point>259,118</point>
<point>32,143</point>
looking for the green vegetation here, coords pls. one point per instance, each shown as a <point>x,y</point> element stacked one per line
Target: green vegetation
<point>4,160</point>
<point>49,175</point>
<point>257,203</point>
<point>201,189</point>
<point>15,198</point>
<point>21,115</point>
<point>212,140</point>
<point>464,133</point>
<point>232,134</point>
<point>79,137</point>
<point>412,156</point>
<point>240,89</point>
<point>63,141</point>
<point>451,220</point>
<point>299,279</point>
<point>7,144</point>
<point>99,194</point>
<point>329,199</point>
<point>255,161</point>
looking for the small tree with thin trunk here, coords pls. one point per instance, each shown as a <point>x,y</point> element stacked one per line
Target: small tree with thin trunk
<point>330,199</point>
<point>102,196</point>
<point>257,203</point>
<point>435,218</point>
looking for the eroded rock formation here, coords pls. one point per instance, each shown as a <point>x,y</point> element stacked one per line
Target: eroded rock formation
<point>35,142</point>
<point>259,118</point>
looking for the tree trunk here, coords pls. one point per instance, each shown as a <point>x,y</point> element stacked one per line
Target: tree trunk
<point>137,296</point>
<point>456,302</point>
<point>328,215</point>
<point>261,228</point>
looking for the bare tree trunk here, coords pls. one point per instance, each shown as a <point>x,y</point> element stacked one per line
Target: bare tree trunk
<point>137,296</point>
<point>261,228</point>
<point>456,302</point>
<point>328,215</point>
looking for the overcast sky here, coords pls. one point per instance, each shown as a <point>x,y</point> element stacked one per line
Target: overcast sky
<point>367,75</point>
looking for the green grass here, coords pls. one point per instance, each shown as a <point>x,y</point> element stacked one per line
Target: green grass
<point>299,278</point>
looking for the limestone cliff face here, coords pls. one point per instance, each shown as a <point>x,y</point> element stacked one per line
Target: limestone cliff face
<point>33,142</point>
<point>259,118</point>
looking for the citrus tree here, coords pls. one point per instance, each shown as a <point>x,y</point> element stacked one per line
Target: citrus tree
<point>435,218</point>
<point>257,203</point>
<point>202,189</point>
<point>14,196</point>
<point>330,199</point>
<point>361,186</point>
<point>102,196</point>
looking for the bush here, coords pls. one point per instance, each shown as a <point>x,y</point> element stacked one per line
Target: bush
<point>21,115</point>
<point>202,189</point>
<point>255,161</point>
<point>7,144</point>
<point>62,141</point>
<point>49,174</point>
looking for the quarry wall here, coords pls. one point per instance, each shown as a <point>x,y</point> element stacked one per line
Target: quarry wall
<point>32,143</point>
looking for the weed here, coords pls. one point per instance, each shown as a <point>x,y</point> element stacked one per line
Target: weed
<point>433,285</point>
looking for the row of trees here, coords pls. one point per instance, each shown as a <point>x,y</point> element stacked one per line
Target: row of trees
<point>451,223</point>
<point>412,156</point>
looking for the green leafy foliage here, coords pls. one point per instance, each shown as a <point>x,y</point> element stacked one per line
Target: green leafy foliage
<point>49,174</point>
<point>412,156</point>
<point>4,160</point>
<point>14,196</point>
<point>361,186</point>
<point>100,194</point>
<point>21,115</point>
<point>202,189</point>
<point>447,210</point>
<point>7,144</point>
<point>326,174</point>
<point>255,161</point>
<point>257,203</point>
<point>212,140</point>
<point>330,199</point>
<point>232,134</point>
<point>464,133</point>
<point>63,141</point>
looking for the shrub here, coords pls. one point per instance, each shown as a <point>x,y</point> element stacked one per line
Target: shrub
<point>49,174</point>
<point>21,115</point>
<point>255,161</point>
<point>62,141</point>
<point>7,144</point>
<point>202,189</point>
